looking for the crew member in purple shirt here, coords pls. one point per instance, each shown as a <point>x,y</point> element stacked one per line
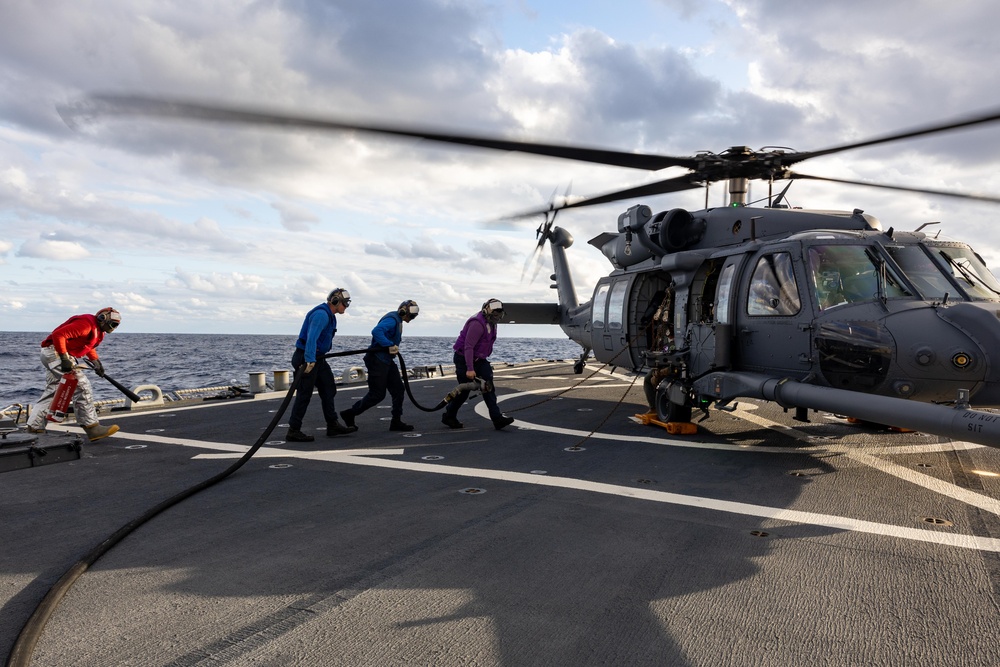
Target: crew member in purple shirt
<point>472,351</point>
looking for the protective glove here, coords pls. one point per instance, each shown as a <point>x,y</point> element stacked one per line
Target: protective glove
<point>309,367</point>
<point>65,363</point>
<point>393,350</point>
<point>98,367</point>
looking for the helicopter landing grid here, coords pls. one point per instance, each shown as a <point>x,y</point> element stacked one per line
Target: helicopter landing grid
<point>575,536</point>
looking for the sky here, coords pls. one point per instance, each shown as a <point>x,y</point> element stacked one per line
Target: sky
<point>208,228</point>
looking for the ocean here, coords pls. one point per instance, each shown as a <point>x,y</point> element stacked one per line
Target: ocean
<point>191,361</point>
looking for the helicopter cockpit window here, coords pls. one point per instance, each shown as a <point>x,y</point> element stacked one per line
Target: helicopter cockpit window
<point>921,271</point>
<point>966,267</point>
<point>842,274</point>
<point>773,290</point>
<point>600,301</point>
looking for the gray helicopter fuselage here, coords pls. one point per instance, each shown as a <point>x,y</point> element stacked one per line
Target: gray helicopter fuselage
<point>746,291</point>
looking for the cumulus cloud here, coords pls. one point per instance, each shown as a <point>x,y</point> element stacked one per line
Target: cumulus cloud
<point>423,248</point>
<point>54,250</point>
<point>294,217</point>
<point>189,210</point>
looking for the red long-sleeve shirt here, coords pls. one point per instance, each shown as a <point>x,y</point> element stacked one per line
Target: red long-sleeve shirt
<point>78,336</point>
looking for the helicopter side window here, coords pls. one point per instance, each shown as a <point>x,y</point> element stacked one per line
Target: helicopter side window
<point>969,270</point>
<point>725,292</point>
<point>600,301</point>
<point>616,305</point>
<point>773,290</point>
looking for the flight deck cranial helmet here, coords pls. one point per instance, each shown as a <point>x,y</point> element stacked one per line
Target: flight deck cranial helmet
<point>339,295</point>
<point>408,308</point>
<point>108,319</point>
<point>493,310</point>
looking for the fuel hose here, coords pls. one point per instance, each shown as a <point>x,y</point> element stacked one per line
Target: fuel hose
<point>27,639</point>
<point>24,646</point>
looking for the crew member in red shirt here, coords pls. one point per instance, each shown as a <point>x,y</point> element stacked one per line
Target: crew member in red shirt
<point>76,338</point>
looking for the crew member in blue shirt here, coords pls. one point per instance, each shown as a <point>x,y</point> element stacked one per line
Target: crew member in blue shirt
<point>314,341</point>
<point>383,374</point>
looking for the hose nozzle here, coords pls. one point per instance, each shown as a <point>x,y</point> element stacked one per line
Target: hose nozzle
<point>477,386</point>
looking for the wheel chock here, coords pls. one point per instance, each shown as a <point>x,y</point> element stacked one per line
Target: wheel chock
<point>673,428</point>
<point>680,428</point>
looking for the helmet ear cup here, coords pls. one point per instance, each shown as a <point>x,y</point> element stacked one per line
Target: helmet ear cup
<point>408,307</point>
<point>338,296</point>
<point>493,310</point>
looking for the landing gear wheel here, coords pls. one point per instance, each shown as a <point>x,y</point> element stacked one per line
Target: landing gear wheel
<point>671,412</point>
<point>578,366</point>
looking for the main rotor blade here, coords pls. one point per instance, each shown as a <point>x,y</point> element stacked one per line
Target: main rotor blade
<point>98,105</point>
<point>988,117</point>
<point>675,184</point>
<point>926,191</point>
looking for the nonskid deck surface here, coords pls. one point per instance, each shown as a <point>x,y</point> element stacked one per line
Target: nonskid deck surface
<point>575,536</point>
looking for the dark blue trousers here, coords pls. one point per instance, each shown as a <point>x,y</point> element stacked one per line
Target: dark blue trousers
<point>321,379</point>
<point>381,377</point>
<point>483,370</point>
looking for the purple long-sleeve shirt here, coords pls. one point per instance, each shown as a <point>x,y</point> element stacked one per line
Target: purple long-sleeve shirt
<point>476,340</point>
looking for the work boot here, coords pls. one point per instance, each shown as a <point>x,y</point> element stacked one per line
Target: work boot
<point>295,435</point>
<point>501,421</point>
<point>336,428</point>
<point>36,431</point>
<point>397,424</point>
<point>451,422</point>
<point>95,431</point>
<point>348,416</point>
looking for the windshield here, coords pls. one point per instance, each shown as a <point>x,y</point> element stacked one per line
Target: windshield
<point>842,274</point>
<point>925,275</point>
<point>968,270</point>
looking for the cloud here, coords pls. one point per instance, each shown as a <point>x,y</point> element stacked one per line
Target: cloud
<point>248,226</point>
<point>294,217</point>
<point>226,285</point>
<point>54,250</point>
<point>492,250</point>
<point>423,248</point>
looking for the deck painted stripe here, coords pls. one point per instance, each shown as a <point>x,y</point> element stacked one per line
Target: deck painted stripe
<point>865,456</point>
<point>932,483</point>
<point>762,511</point>
<point>482,411</point>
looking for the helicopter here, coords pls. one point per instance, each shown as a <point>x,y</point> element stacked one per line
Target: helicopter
<point>813,310</point>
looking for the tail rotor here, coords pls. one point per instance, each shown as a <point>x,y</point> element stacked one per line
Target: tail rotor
<point>543,234</point>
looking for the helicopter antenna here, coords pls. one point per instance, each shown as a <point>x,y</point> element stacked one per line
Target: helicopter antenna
<point>775,203</point>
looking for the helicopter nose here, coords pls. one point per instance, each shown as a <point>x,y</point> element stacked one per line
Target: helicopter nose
<point>940,351</point>
<point>980,322</point>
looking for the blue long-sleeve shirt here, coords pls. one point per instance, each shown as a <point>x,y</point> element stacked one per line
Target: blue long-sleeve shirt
<point>388,332</point>
<point>318,330</point>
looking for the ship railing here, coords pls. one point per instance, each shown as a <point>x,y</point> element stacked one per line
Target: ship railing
<point>15,412</point>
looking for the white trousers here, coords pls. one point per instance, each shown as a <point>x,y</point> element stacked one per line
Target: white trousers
<point>83,397</point>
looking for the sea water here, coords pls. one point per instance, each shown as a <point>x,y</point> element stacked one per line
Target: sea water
<point>190,361</point>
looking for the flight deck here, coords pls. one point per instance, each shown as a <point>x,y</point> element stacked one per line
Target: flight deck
<point>575,536</point>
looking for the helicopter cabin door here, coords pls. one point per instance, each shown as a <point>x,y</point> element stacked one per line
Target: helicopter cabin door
<point>772,319</point>
<point>609,335</point>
